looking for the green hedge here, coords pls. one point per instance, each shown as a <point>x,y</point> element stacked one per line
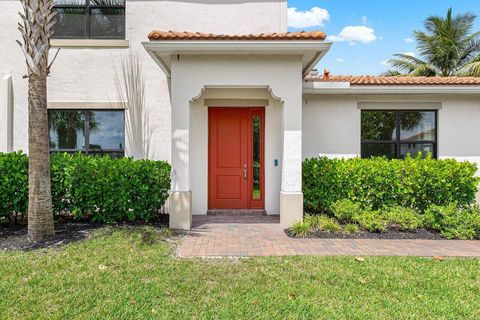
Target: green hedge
<point>96,188</point>
<point>13,185</point>
<point>380,183</point>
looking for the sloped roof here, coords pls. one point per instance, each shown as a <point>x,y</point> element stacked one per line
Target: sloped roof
<point>395,81</point>
<point>175,35</point>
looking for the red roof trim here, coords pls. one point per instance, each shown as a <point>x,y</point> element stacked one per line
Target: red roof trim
<point>396,81</point>
<point>174,35</point>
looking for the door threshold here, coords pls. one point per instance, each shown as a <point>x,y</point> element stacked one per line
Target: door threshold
<point>237,212</point>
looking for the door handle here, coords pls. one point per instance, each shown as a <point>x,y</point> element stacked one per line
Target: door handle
<point>245,171</point>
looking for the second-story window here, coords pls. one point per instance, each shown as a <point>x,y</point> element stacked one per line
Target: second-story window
<point>90,19</point>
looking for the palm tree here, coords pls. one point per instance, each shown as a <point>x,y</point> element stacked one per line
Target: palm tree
<point>36,29</point>
<point>447,48</point>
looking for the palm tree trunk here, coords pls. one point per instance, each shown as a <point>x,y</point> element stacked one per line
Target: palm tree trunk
<point>40,217</point>
<point>36,29</point>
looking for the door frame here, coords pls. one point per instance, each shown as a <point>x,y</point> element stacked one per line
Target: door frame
<point>252,112</point>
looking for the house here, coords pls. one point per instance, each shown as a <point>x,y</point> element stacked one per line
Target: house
<point>234,104</point>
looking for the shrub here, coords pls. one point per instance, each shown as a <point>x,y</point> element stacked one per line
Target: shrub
<point>404,218</point>
<point>380,183</point>
<point>330,225</point>
<point>454,222</point>
<point>351,228</point>
<point>372,221</point>
<point>345,210</point>
<point>13,185</point>
<point>97,188</point>
<point>301,229</point>
<point>312,221</point>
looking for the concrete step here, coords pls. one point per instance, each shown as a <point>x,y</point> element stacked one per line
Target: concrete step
<point>237,212</point>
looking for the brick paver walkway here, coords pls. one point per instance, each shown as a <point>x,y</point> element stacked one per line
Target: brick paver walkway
<point>247,236</point>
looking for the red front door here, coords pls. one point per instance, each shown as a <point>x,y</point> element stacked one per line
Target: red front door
<point>236,158</point>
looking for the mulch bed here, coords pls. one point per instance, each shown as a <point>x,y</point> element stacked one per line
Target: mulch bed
<point>66,231</point>
<point>420,234</point>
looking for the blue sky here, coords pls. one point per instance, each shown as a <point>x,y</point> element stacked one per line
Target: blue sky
<point>367,32</point>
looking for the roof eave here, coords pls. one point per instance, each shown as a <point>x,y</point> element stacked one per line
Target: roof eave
<point>161,50</point>
<point>311,88</point>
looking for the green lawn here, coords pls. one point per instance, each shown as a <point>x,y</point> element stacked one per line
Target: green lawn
<point>132,274</point>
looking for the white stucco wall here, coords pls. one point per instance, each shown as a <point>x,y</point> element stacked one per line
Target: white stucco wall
<point>88,74</point>
<point>243,76</point>
<point>199,144</point>
<point>331,123</point>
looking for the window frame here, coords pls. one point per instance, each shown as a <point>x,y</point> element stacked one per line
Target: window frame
<point>398,142</point>
<point>86,130</point>
<point>88,7</point>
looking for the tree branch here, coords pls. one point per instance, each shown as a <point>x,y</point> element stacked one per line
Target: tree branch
<point>53,60</point>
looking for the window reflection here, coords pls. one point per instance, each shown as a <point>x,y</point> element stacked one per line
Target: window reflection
<point>413,149</point>
<point>256,158</point>
<point>67,130</point>
<point>89,131</point>
<point>378,125</point>
<point>107,130</point>
<point>396,134</point>
<point>71,23</point>
<point>95,19</point>
<point>107,23</point>
<point>417,126</point>
<point>378,150</point>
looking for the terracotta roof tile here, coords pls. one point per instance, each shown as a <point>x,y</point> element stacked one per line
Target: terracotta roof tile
<point>398,81</point>
<point>174,35</point>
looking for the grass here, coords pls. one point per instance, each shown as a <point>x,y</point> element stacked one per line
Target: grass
<point>133,274</point>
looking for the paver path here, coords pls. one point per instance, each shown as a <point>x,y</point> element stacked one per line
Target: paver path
<point>248,236</point>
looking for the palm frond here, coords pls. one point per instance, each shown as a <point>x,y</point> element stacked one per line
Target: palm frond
<point>447,47</point>
<point>470,69</point>
<point>402,66</point>
<point>424,70</point>
<point>391,73</point>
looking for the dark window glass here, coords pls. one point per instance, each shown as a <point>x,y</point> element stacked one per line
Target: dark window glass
<point>71,2</point>
<point>417,126</point>
<point>107,23</point>
<point>256,158</point>
<point>107,130</point>
<point>395,134</point>
<point>100,19</point>
<point>71,23</point>
<point>379,150</point>
<point>413,149</point>
<point>92,132</point>
<point>378,125</point>
<point>67,130</point>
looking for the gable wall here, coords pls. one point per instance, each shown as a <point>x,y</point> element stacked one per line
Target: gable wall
<point>89,74</point>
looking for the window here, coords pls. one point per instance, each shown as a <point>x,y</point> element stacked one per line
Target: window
<point>394,134</point>
<point>90,19</point>
<point>256,125</point>
<point>89,131</point>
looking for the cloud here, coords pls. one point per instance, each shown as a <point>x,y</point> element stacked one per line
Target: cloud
<point>409,40</point>
<point>315,17</point>
<point>364,20</point>
<point>354,34</point>
<point>385,63</point>
<point>341,60</point>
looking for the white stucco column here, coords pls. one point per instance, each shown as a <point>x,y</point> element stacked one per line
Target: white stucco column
<point>6,115</point>
<point>180,196</point>
<point>291,196</point>
<point>478,196</point>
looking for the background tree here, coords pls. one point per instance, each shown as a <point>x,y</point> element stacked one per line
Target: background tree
<point>36,28</point>
<point>67,124</point>
<point>447,48</point>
